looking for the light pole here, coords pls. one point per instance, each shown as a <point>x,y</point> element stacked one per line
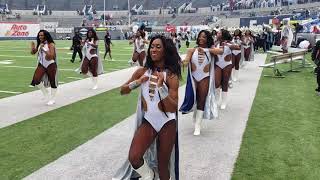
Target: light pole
<point>129,16</point>
<point>104,13</point>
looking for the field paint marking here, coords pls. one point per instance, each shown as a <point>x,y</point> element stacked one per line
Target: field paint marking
<point>10,92</point>
<point>13,56</point>
<point>25,67</point>
<point>6,62</point>
<point>78,78</point>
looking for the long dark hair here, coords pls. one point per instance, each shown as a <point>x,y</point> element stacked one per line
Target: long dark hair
<point>171,56</point>
<point>209,38</point>
<point>47,36</point>
<point>225,35</point>
<point>237,32</point>
<point>94,34</point>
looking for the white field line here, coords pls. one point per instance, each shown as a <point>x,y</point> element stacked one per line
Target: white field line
<point>78,78</point>
<point>10,92</point>
<point>25,67</point>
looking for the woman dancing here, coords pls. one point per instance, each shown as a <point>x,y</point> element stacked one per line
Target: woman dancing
<point>200,82</point>
<point>47,69</point>
<point>150,152</point>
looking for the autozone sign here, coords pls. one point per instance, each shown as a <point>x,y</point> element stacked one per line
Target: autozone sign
<point>19,30</point>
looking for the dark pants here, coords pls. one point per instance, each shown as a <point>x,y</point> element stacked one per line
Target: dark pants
<point>318,78</point>
<point>75,51</point>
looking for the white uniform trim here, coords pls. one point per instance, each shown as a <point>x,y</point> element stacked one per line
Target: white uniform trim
<point>154,115</point>
<point>221,62</point>
<point>199,74</point>
<point>140,47</point>
<point>42,56</point>
<point>89,48</point>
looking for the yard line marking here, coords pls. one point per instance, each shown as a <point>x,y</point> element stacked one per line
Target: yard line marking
<point>25,67</point>
<point>74,78</point>
<point>6,61</point>
<point>14,56</point>
<point>114,69</point>
<point>10,92</point>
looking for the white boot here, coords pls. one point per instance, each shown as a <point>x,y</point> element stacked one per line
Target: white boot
<point>230,84</point>
<point>89,74</point>
<point>145,172</point>
<point>95,83</point>
<point>194,116</point>
<point>52,97</point>
<point>224,100</point>
<point>218,95</point>
<point>43,90</point>
<point>197,126</point>
<point>235,75</point>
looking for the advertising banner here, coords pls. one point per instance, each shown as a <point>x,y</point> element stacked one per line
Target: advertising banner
<point>18,30</point>
<point>64,30</point>
<point>183,29</point>
<point>170,28</point>
<point>49,26</point>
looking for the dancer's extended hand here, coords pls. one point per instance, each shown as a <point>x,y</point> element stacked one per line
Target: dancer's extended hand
<point>142,79</point>
<point>160,78</point>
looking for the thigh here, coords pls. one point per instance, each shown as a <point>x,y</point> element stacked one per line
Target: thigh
<point>218,76</point>
<point>51,72</point>
<point>85,64</point>
<point>39,72</point>
<point>135,56</point>
<point>93,66</point>
<point>142,55</point>
<point>142,139</point>
<point>226,72</point>
<point>166,141</point>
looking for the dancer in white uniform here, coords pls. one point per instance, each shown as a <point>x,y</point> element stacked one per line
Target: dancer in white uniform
<point>223,65</point>
<point>91,64</point>
<point>236,54</point>
<point>247,44</point>
<point>201,64</point>
<point>139,53</point>
<point>151,149</point>
<point>46,72</point>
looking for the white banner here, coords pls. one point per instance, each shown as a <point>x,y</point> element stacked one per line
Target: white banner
<point>199,28</point>
<point>19,30</point>
<point>64,30</point>
<point>49,26</point>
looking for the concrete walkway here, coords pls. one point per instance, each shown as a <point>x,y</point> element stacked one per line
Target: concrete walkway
<point>210,156</point>
<point>24,106</point>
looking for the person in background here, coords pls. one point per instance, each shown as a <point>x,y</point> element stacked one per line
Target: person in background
<point>91,64</point>
<point>188,39</point>
<point>76,46</point>
<point>107,43</point>
<point>316,59</point>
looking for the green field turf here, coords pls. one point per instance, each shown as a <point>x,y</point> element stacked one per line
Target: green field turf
<point>282,138</point>
<point>17,76</point>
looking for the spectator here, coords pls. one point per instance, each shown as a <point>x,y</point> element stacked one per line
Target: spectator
<point>316,59</point>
